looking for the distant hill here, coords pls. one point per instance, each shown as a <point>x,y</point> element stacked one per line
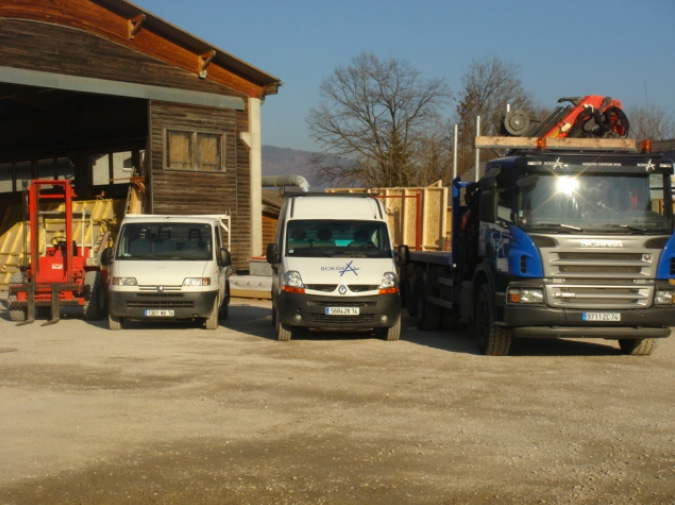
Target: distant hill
<point>283,161</point>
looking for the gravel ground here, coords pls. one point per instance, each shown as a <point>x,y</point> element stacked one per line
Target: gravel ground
<point>175,414</point>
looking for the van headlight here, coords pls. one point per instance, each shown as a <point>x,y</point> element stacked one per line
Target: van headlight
<point>389,284</point>
<point>293,279</point>
<point>664,297</point>
<point>525,295</point>
<point>197,281</point>
<point>124,281</point>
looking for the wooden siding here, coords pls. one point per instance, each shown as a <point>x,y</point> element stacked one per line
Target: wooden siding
<point>192,192</point>
<point>36,45</point>
<point>115,21</point>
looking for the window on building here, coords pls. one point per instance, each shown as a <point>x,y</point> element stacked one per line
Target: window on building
<point>194,151</point>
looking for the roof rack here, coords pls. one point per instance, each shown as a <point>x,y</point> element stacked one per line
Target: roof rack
<point>565,143</point>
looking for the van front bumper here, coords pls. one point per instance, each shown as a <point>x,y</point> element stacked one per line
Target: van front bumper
<point>312,311</point>
<point>144,305</point>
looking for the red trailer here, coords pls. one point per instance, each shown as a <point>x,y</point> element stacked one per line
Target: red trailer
<point>65,273</point>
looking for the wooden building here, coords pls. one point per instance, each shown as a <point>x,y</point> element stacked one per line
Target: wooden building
<point>108,95</point>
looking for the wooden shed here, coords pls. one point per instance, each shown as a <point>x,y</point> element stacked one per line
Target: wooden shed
<point>106,94</point>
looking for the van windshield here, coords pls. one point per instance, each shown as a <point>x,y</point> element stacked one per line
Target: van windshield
<point>165,241</point>
<point>327,238</point>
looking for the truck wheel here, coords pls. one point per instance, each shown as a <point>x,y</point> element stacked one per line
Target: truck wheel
<point>393,332</point>
<point>93,295</point>
<point>429,316</point>
<point>284,333</point>
<point>492,340</point>
<point>16,314</point>
<point>637,346</point>
<point>114,322</point>
<point>211,322</point>
<point>410,300</point>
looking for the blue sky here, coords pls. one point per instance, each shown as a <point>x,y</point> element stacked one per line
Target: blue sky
<point>620,48</point>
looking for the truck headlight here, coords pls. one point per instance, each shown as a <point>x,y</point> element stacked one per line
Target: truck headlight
<point>664,297</point>
<point>525,295</point>
<point>197,281</point>
<point>124,281</point>
<point>388,285</point>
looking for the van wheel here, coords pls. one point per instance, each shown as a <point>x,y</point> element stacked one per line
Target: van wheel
<point>284,333</point>
<point>211,322</point>
<point>637,346</point>
<point>94,297</point>
<point>114,322</point>
<point>393,332</point>
<point>225,308</point>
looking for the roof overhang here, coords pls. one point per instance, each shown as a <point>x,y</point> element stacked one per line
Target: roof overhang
<point>116,88</point>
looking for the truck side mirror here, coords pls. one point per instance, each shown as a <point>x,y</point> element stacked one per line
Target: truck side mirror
<point>224,257</point>
<point>403,255</point>
<point>107,256</point>
<point>488,206</point>
<point>273,254</point>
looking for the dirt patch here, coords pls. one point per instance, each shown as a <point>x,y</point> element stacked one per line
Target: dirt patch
<point>175,414</point>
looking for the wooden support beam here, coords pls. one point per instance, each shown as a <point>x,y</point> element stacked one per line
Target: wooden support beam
<point>570,144</point>
<point>204,61</point>
<point>135,25</point>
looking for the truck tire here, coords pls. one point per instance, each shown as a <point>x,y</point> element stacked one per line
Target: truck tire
<point>637,346</point>
<point>284,333</point>
<point>429,316</point>
<point>211,322</point>
<point>93,295</point>
<point>16,314</point>
<point>409,299</point>
<point>114,323</point>
<point>492,340</point>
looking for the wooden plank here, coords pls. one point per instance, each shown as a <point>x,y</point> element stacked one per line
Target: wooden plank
<point>594,144</point>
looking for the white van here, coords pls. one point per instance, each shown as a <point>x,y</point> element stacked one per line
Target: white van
<point>169,267</point>
<point>334,266</point>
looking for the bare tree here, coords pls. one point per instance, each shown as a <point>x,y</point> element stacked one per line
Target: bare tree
<point>488,86</point>
<point>650,123</point>
<point>377,114</point>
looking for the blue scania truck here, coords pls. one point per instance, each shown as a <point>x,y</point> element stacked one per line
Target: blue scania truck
<point>560,238</point>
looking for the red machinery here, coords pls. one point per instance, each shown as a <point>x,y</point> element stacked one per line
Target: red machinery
<point>591,116</point>
<point>65,275</point>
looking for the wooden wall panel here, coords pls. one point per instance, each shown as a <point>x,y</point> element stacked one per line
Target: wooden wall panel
<point>192,192</point>
<point>54,48</point>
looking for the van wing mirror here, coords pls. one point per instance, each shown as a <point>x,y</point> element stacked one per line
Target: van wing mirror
<point>403,255</point>
<point>224,257</point>
<point>273,254</point>
<point>107,256</point>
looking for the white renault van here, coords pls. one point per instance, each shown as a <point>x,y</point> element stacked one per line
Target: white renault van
<point>169,267</point>
<point>334,266</point>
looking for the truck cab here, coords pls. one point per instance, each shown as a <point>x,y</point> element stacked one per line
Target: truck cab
<point>574,244</point>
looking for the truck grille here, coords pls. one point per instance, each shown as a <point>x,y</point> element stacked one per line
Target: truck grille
<point>593,271</point>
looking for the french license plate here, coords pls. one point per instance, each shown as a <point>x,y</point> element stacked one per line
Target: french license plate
<point>342,311</point>
<point>601,316</point>
<point>158,313</point>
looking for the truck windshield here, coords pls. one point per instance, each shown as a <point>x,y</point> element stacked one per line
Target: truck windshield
<point>596,203</point>
<point>327,238</point>
<point>165,241</point>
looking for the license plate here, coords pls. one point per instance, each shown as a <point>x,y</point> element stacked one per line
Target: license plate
<point>342,311</point>
<point>601,316</point>
<point>158,313</point>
